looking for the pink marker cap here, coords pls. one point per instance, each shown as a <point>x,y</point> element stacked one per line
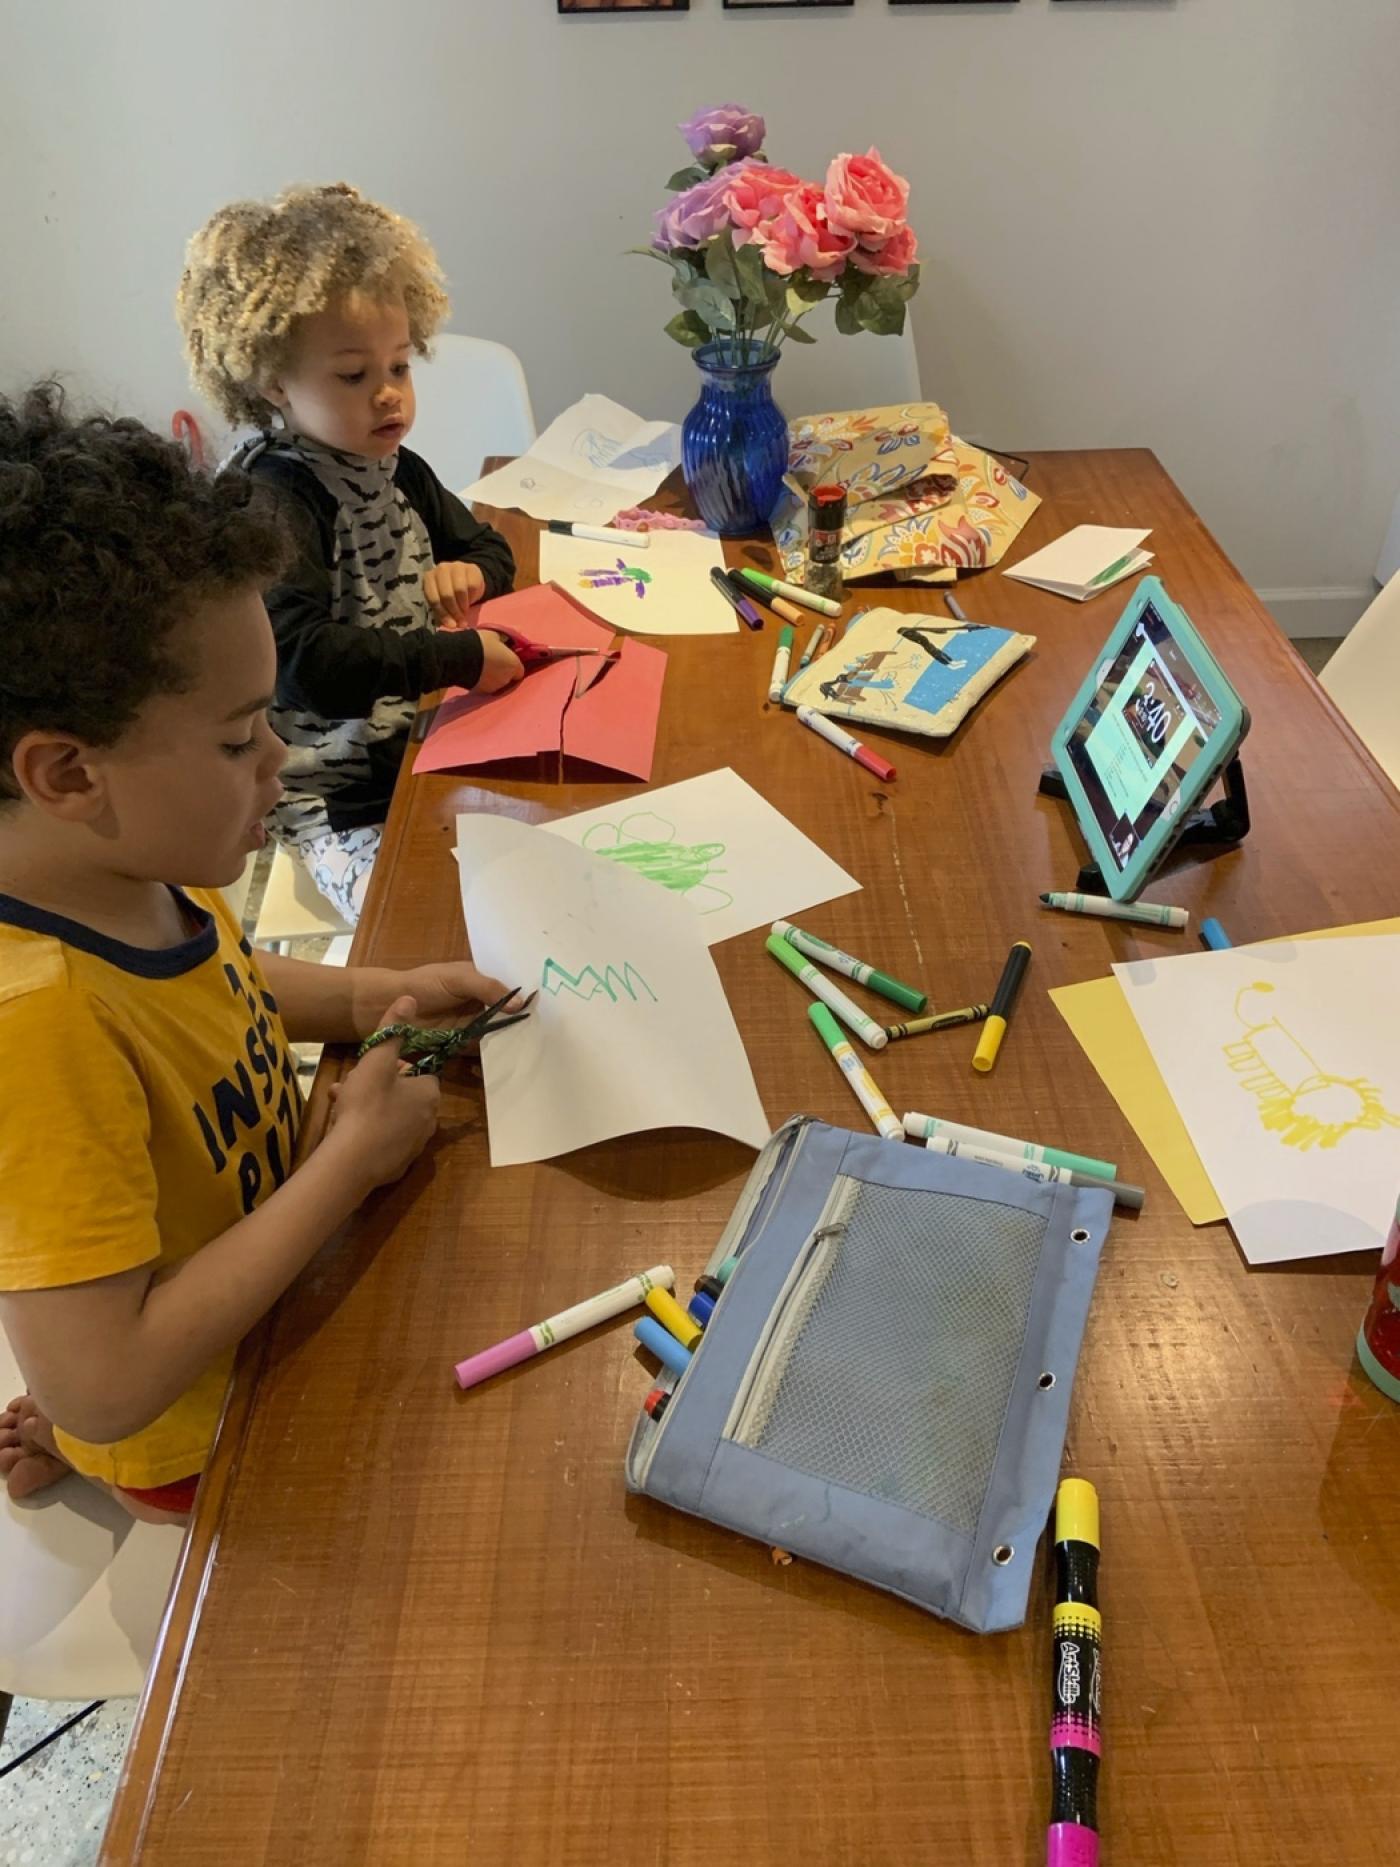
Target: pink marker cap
<point>1070,1844</point>
<point>873,762</point>
<point>495,1360</point>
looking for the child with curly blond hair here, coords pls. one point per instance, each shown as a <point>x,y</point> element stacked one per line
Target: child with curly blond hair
<point>302,316</point>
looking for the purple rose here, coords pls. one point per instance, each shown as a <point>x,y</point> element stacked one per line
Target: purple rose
<point>724,126</point>
<point>697,215</point>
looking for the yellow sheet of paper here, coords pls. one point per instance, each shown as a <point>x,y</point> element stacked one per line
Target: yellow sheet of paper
<point>1111,1038</point>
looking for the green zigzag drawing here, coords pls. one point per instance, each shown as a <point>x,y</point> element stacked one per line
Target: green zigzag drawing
<point>610,982</point>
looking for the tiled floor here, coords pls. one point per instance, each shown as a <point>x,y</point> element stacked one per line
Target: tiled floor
<point>52,1811</point>
<point>1316,650</point>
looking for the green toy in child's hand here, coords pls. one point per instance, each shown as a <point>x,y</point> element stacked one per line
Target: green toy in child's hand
<point>432,1049</point>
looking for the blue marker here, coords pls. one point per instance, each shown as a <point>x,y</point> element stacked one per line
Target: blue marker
<point>1215,936</point>
<point>661,1343</point>
<point>701,1307</point>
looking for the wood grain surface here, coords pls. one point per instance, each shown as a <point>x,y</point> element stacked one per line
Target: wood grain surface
<point>420,1626</point>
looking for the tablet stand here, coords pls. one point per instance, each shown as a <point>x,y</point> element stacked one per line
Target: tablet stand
<point>1214,827</point>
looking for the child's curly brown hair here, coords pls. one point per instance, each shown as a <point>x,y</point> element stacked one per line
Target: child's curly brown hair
<point>109,538</point>
<point>258,266</point>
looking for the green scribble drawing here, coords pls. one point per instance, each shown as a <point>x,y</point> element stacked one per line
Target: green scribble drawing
<point>1299,1101</point>
<point>590,983</point>
<point>646,844</point>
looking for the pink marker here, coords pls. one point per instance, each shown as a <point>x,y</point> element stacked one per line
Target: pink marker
<point>567,1323</point>
<point>847,743</point>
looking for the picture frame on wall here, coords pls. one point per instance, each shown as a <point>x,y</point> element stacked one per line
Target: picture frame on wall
<point>754,6</point>
<point>953,2</point>
<point>624,6</point>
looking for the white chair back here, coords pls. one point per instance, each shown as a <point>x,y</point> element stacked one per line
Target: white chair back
<point>845,372</point>
<point>473,400</point>
<point>1363,678</point>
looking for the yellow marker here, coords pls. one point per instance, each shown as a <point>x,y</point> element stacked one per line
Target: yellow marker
<point>670,1315</point>
<point>1008,986</point>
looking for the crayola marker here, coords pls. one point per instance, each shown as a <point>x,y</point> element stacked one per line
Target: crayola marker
<point>1073,1838</point>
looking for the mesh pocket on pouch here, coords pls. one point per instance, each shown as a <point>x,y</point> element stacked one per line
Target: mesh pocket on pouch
<point>896,1365</point>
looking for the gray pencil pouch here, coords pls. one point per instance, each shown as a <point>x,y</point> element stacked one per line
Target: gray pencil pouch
<point>884,1384</point>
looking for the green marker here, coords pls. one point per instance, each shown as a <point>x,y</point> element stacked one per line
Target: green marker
<point>817,983</point>
<point>777,680</point>
<point>1112,570</point>
<point>817,948</point>
<point>774,586</point>
<point>727,1269</point>
<point>926,1127</point>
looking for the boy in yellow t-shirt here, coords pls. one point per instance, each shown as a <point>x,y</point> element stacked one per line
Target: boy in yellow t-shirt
<point>148,1106</point>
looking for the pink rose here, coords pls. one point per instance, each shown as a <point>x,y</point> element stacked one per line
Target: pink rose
<point>723,126</point>
<point>801,236</point>
<point>699,213</point>
<point>756,192</point>
<point>897,254</point>
<point>864,199</point>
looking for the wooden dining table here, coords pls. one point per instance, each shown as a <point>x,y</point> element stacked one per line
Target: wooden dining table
<point>417,1625</point>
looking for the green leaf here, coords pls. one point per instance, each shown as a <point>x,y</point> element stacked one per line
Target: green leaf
<point>687,329</point>
<point>811,291</point>
<point>687,177</point>
<point>720,265</point>
<point>799,302</point>
<point>649,252</point>
<point>796,335</point>
<point>709,303</point>
<point>753,276</point>
<point>846,320</point>
<point>878,316</point>
<point>685,268</point>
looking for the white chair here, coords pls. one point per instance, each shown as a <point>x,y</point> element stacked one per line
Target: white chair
<point>293,907</point>
<point>1363,678</point>
<point>85,1587</point>
<point>845,372</point>
<point>472,401</point>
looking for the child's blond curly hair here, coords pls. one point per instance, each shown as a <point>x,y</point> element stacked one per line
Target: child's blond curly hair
<point>258,266</point>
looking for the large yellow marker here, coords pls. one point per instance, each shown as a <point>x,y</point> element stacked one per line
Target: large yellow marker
<point>670,1315</point>
<point>1008,986</point>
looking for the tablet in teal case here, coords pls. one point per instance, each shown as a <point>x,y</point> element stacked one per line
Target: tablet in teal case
<point>1154,724</point>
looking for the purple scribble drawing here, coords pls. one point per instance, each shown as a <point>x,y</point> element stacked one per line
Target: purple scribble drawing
<point>611,579</point>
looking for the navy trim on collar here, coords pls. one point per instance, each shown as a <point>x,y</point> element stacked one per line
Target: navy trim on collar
<point>170,962</point>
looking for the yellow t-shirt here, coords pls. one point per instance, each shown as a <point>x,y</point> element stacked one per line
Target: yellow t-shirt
<point>148,1102</point>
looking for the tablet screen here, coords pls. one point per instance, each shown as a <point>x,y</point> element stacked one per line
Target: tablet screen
<point>1147,724</point>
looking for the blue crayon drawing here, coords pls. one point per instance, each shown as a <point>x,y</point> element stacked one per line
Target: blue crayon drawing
<point>611,983</point>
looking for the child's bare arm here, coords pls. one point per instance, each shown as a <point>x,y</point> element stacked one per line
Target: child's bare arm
<point>104,1359</point>
<point>340,1004</point>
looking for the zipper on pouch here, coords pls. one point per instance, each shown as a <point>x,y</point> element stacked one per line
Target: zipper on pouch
<point>753,1399</point>
<point>770,1172</point>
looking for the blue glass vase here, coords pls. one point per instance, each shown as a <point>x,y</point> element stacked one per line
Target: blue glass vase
<point>734,448</point>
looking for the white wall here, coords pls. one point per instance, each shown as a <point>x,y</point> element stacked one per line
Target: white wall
<point>1160,222</point>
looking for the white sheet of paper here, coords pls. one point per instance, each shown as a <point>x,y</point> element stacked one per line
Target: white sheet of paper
<point>592,461</point>
<point>630,1029</point>
<point>672,573</point>
<point>717,846</point>
<point>1284,1061</point>
<point>1069,565</point>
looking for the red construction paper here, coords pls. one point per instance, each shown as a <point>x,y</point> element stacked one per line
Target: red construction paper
<point>477,729</point>
<point>592,708</point>
<point>544,614</point>
<point>614,722</point>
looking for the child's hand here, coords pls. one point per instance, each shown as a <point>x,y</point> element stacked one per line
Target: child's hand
<point>451,590</point>
<point>386,1117</point>
<point>500,665</point>
<point>445,991</point>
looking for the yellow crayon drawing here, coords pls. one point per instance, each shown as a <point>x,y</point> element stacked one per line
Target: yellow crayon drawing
<point>1301,1103</point>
